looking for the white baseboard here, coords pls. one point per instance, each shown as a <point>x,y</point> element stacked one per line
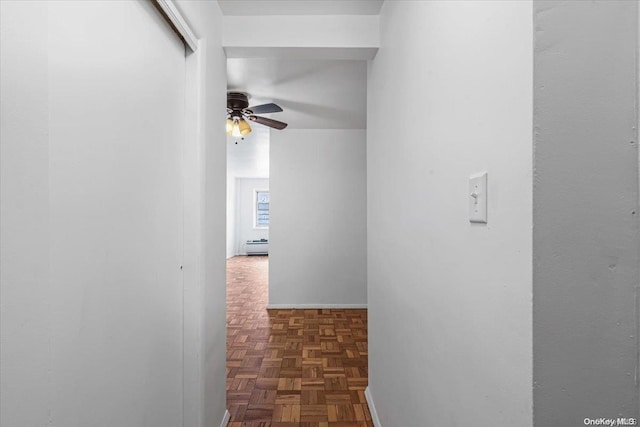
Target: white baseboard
<point>372,408</point>
<point>234,255</point>
<point>315,306</point>
<point>225,419</point>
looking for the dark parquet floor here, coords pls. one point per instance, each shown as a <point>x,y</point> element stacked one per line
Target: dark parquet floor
<point>291,368</point>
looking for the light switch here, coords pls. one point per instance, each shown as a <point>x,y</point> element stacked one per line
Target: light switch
<point>478,198</point>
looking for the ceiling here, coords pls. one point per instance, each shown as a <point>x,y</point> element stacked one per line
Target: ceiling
<point>315,94</point>
<point>300,7</point>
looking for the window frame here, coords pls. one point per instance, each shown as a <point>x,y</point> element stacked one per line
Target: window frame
<point>255,209</point>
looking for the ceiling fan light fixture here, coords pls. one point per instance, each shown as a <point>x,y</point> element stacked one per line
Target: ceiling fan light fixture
<point>240,128</point>
<point>238,111</point>
<point>244,127</point>
<point>235,130</point>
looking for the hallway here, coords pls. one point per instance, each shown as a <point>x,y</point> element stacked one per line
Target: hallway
<point>448,191</point>
<point>290,368</point>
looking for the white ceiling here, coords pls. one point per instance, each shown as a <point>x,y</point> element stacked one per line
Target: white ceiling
<point>300,7</point>
<point>315,94</point>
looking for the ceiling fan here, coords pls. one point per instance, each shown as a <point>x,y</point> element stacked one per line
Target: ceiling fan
<point>238,109</point>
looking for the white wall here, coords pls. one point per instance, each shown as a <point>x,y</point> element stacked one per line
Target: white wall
<point>93,98</point>
<point>113,233</point>
<point>316,37</point>
<point>449,301</point>
<point>231,217</point>
<point>306,31</point>
<point>245,230</point>
<point>585,214</point>
<point>246,158</point>
<point>205,301</point>
<point>25,295</point>
<point>317,248</point>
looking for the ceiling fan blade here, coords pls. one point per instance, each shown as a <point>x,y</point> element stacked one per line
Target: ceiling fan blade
<point>265,108</point>
<point>268,122</point>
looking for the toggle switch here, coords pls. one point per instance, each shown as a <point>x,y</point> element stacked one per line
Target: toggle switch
<point>478,198</point>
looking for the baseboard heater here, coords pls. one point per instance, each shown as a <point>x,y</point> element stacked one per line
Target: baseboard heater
<point>257,247</point>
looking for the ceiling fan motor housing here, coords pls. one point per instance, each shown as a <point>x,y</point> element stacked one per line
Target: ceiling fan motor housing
<point>238,108</point>
<point>237,100</point>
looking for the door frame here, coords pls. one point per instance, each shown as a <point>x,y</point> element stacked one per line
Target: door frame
<point>193,180</point>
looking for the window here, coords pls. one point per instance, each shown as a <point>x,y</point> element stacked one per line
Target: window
<point>262,209</point>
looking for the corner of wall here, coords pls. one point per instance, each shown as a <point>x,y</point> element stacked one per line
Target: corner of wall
<point>225,418</point>
<point>372,407</point>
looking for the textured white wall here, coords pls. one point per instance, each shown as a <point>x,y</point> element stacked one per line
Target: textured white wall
<point>92,217</point>
<point>450,302</point>
<point>317,248</point>
<point>112,201</point>
<point>25,295</point>
<point>205,302</point>
<point>586,228</point>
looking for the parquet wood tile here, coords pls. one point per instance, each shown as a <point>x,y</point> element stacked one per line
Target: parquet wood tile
<point>291,368</point>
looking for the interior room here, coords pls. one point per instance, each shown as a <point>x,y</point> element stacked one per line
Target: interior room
<point>308,264</point>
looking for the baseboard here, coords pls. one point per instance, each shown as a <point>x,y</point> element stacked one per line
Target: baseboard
<point>372,408</point>
<point>231,256</point>
<point>225,419</point>
<point>315,306</point>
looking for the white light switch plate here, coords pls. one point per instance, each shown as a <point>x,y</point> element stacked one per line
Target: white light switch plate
<point>478,198</point>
